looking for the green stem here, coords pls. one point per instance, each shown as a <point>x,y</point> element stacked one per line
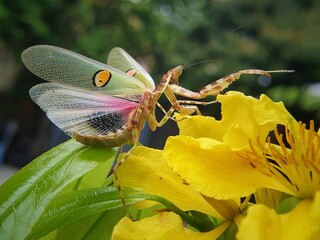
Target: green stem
<point>202,224</point>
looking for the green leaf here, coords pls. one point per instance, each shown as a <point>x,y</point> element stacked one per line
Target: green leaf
<point>287,204</point>
<point>92,179</point>
<point>98,227</point>
<point>229,233</point>
<point>77,205</point>
<point>25,196</point>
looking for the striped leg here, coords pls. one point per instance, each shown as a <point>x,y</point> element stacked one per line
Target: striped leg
<point>186,107</point>
<point>219,85</point>
<point>116,178</point>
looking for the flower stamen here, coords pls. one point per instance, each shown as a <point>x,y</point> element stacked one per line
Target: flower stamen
<point>294,160</point>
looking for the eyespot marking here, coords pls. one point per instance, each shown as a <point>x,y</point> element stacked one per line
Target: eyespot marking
<point>101,78</point>
<point>131,72</point>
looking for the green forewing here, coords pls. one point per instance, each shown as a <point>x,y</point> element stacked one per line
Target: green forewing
<point>120,59</point>
<point>59,65</point>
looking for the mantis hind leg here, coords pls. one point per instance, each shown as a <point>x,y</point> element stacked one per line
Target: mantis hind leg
<point>116,178</point>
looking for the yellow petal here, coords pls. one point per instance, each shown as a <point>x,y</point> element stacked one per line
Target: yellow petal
<point>200,126</point>
<point>243,118</point>
<point>303,222</point>
<point>247,118</point>
<point>213,169</point>
<point>147,170</point>
<point>272,112</point>
<point>163,226</point>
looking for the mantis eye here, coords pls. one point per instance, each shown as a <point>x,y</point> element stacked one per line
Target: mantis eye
<point>101,78</point>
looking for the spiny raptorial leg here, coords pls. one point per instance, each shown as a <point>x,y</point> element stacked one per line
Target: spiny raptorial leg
<point>219,85</point>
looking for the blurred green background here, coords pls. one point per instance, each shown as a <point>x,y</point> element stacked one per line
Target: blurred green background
<point>228,35</point>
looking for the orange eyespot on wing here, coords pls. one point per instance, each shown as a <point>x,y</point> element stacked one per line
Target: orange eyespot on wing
<point>131,72</point>
<point>101,78</point>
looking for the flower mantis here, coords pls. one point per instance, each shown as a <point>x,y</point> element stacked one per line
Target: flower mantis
<point>108,105</point>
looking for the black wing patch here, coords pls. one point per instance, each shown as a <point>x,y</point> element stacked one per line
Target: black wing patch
<point>107,122</point>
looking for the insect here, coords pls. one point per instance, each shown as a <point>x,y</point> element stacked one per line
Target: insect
<point>108,105</point>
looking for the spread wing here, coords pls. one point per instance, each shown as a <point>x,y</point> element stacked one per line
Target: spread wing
<point>59,65</point>
<point>85,112</point>
<point>120,59</point>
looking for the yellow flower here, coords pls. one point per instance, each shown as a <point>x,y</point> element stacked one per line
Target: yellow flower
<point>212,164</point>
<point>243,118</point>
<point>296,167</point>
<point>269,197</point>
<point>162,226</point>
<point>295,163</point>
<point>210,154</point>
<point>303,222</point>
<point>147,170</point>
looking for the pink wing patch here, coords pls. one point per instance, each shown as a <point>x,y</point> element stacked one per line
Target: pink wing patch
<point>86,112</point>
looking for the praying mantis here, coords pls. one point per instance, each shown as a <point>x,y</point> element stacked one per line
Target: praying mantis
<point>108,105</point>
